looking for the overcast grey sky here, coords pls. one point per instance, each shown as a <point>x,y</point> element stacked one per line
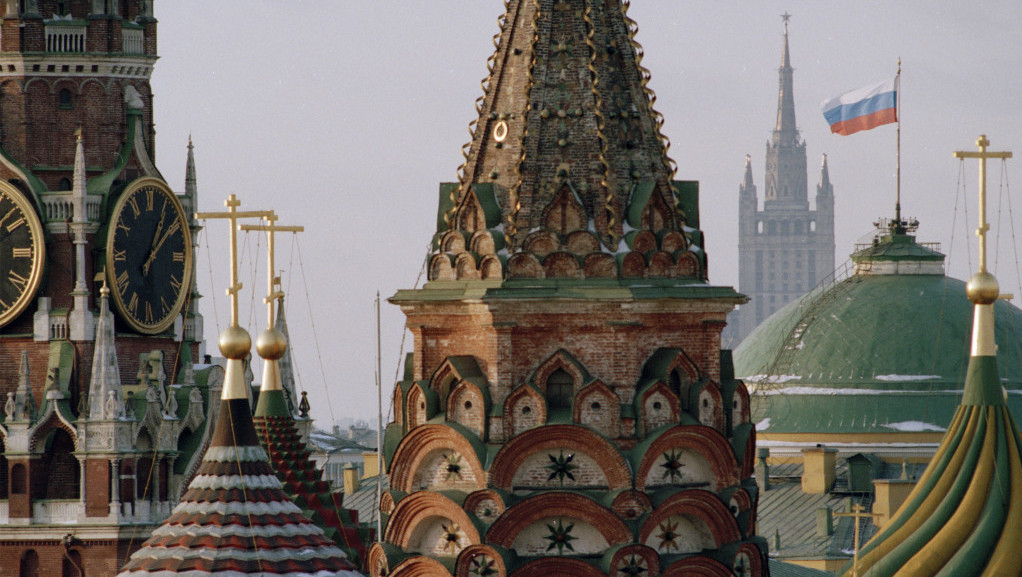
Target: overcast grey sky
<point>345,116</point>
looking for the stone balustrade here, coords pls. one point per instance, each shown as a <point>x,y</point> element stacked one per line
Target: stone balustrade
<point>67,38</point>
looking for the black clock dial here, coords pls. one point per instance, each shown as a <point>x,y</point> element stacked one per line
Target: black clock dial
<point>149,260</point>
<point>22,253</point>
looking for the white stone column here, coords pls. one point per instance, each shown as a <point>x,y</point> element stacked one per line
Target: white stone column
<point>115,487</point>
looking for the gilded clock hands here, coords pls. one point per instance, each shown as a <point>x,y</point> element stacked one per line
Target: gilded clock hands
<point>152,254</point>
<point>157,241</point>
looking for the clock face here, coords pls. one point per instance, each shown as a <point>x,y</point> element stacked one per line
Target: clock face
<point>22,253</point>
<point>149,256</point>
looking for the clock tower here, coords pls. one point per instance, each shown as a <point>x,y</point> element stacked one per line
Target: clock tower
<point>104,413</point>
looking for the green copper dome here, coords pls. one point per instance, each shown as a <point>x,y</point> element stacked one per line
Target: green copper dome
<point>882,351</point>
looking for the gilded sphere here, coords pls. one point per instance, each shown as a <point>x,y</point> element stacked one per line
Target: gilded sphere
<point>235,343</point>
<point>982,288</point>
<point>271,344</point>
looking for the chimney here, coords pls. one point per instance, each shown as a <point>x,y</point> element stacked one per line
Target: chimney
<point>370,465</point>
<point>824,522</point>
<point>763,468</point>
<point>351,479</point>
<point>889,495</point>
<point>818,469</point>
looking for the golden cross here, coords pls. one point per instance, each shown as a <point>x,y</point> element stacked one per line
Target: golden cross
<point>858,512</point>
<point>982,143</point>
<point>271,228</point>
<point>233,214</point>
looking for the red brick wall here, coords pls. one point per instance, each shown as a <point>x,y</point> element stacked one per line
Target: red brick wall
<point>97,479</point>
<point>100,558</point>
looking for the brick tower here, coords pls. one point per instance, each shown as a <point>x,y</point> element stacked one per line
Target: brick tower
<point>784,249</point>
<point>567,409</point>
<point>105,414</point>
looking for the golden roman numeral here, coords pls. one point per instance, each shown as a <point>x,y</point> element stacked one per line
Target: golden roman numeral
<point>124,227</point>
<point>175,283</point>
<point>148,312</point>
<point>120,255</point>
<point>179,256</point>
<point>149,199</point>
<point>14,225</point>
<point>4,305</point>
<point>133,203</point>
<point>19,282</point>
<point>122,282</point>
<point>133,304</point>
<point>22,252</point>
<point>165,308</point>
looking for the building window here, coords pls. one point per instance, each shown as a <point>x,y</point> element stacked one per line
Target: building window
<point>19,480</point>
<point>72,565</point>
<point>29,564</point>
<point>61,7</point>
<point>560,388</point>
<point>64,99</point>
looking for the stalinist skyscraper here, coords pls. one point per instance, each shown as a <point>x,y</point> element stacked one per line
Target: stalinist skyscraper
<point>785,248</point>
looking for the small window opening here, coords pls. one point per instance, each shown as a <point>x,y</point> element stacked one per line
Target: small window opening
<point>560,388</point>
<point>64,98</point>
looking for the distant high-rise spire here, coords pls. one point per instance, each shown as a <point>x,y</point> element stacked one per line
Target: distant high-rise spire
<point>786,131</point>
<point>824,186</point>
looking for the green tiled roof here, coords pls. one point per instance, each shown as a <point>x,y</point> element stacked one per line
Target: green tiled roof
<point>870,352</point>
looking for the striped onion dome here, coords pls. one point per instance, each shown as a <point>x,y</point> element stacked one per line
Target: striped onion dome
<point>965,515</point>
<point>235,518</point>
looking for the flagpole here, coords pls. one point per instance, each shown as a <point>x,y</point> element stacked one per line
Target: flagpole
<point>897,203</point>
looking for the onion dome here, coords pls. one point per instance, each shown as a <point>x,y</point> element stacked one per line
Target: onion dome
<point>964,516</point>
<point>235,518</point>
<point>567,174</point>
<point>881,351</point>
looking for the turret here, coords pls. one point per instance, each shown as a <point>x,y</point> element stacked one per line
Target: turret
<point>105,400</point>
<point>824,200</point>
<point>748,202</point>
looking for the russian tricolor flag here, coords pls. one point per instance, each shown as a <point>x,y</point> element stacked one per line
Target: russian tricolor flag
<point>862,109</point>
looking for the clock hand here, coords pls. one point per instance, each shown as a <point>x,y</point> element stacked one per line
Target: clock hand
<point>156,249</point>
<point>156,237</point>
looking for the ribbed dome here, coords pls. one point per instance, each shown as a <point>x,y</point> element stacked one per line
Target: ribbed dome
<point>884,350</point>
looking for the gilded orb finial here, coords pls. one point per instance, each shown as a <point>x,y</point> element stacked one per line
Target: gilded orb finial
<point>271,344</point>
<point>982,288</point>
<point>235,342</point>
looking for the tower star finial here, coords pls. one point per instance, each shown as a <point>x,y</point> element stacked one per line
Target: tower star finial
<point>786,17</point>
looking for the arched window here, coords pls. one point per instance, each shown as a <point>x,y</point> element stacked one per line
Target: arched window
<point>560,388</point>
<point>65,184</point>
<point>681,386</point>
<point>29,564</point>
<point>19,480</point>
<point>72,565</point>
<point>59,466</point>
<point>64,99</point>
